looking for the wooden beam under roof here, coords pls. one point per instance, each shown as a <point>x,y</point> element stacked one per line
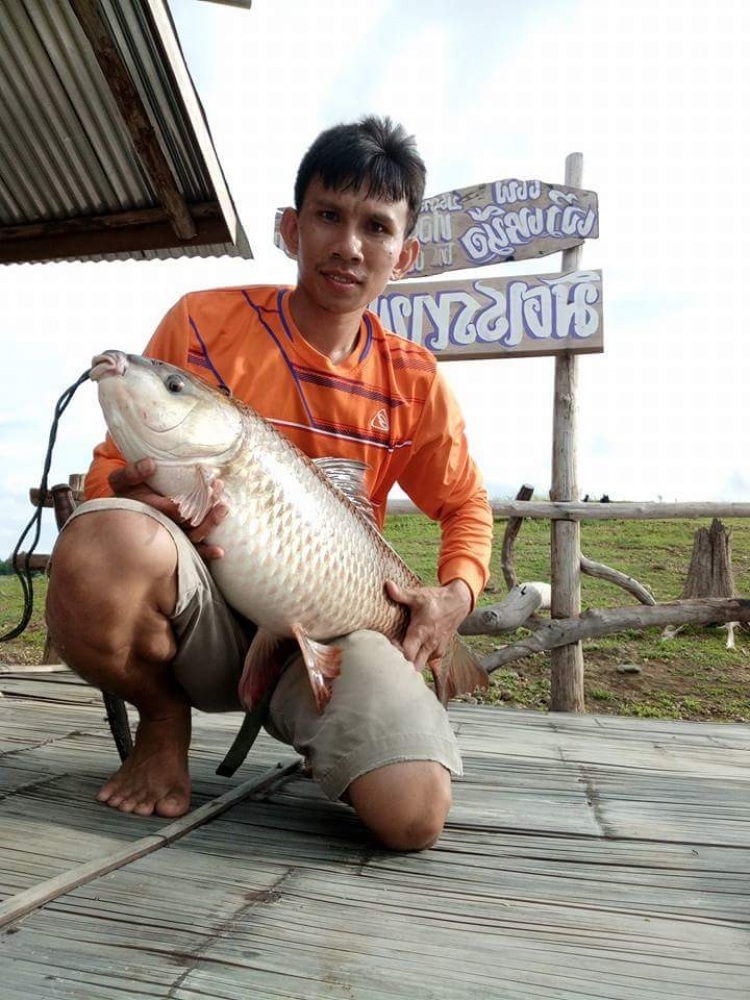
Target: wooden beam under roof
<point>145,229</point>
<point>136,118</point>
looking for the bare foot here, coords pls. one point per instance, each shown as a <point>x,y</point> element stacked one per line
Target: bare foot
<point>155,777</point>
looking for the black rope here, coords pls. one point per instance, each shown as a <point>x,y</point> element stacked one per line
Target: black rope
<point>35,524</point>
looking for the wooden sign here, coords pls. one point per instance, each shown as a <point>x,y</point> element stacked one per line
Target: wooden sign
<point>503,221</point>
<point>498,222</point>
<point>513,317</point>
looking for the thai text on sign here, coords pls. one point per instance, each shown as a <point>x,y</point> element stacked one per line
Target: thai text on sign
<point>517,316</point>
<point>498,222</point>
<point>503,221</point>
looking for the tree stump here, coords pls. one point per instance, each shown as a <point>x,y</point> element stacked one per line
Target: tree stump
<point>710,571</point>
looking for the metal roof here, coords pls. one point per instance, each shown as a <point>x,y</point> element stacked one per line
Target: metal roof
<point>105,152</point>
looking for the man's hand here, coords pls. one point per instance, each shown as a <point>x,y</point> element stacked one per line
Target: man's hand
<point>130,481</point>
<point>436,613</point>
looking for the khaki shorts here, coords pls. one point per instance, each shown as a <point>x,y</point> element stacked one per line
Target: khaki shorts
<point>381,711</point>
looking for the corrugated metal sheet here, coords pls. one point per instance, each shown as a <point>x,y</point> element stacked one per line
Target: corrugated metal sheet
<point>67,155</point>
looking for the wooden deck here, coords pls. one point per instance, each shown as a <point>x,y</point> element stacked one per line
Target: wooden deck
<point>585,857</point>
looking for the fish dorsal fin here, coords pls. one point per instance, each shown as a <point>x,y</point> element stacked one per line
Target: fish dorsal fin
<point>348,475</point>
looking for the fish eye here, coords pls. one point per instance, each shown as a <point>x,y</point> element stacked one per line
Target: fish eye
<point>175,383</point>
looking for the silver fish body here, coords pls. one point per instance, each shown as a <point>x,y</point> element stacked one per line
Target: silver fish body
<point>301,558</point>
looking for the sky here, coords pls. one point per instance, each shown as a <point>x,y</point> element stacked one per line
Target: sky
<point>651,92</point>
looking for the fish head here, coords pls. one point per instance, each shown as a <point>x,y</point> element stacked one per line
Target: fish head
<point>156,410</point>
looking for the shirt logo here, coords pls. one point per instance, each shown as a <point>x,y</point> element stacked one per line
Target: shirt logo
<point>380,421</point>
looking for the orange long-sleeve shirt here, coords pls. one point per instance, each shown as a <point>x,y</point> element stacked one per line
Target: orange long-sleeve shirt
<point>386,405</point>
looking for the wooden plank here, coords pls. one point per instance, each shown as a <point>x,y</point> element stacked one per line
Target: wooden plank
<point>32,668</point>
<point>513,317</point>
<point>21,904</point>
<point>417,916</point>
<point>395,939</point>
<point>210,229</point>
<point>585,856</point>
<point>56,753</point>
<point>54,686</point>
<point>78,226</point>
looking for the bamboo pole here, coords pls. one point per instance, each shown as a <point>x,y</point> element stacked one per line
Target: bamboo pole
<point>566,661</point>
<point>18,906</point>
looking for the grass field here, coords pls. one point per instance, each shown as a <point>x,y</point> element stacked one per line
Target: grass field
<point>692,676</point>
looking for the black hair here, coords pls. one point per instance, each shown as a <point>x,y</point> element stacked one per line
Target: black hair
<point>374,154</point>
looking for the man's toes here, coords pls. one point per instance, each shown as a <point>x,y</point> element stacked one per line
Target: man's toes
<point>111,799</point>
<point>117,798</point>
<point>105,793</point>
<point>173,805</point>
<point>123,803</point>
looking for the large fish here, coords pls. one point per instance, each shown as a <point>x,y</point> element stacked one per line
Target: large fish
<point>303,558</point>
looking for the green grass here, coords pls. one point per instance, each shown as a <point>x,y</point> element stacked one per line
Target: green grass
<point>692,676</point>
<point>27,648</point>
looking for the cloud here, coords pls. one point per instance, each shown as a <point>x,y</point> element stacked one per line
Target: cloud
<point>653,94</point>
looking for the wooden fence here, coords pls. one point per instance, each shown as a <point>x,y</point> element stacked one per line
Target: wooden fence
<point>563,630</point>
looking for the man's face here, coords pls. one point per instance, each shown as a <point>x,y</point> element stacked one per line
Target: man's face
<point>348,246</point>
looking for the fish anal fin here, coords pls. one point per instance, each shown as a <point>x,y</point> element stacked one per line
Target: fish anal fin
<point>459,672</point>
<point>264,661</point>
<point>323,664</point>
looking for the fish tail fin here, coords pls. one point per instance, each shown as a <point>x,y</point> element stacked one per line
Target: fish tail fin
<point>323,665</point>
<point>459,672</point>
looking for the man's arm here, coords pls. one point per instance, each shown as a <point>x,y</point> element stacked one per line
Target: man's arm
<point>445,483</point>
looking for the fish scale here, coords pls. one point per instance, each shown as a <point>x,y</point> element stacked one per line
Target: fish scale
<point>302,559</point>
<point>317,563</point>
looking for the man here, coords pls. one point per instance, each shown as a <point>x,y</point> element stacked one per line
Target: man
<point>131,605</point>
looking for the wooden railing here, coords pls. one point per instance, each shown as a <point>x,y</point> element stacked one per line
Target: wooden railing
<point>519,607</point>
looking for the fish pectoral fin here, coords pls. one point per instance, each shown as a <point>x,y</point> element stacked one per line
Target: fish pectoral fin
<point>323,664</point>
<point>263,663</point>
<point>196,502</point>
<point>459,672</point>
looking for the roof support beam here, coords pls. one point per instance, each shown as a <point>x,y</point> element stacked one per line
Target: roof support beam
<point>147,229</point>
<point>135,116</point>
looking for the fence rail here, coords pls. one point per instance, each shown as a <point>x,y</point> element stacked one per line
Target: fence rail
<point>615,511</point>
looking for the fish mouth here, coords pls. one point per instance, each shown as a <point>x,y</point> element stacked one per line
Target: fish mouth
<point>106,364</point>
<point>109,364</point>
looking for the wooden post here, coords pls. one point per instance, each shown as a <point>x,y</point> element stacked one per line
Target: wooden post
<point>710,573</point>
<point>566,661</point>
<point>511,530</point>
